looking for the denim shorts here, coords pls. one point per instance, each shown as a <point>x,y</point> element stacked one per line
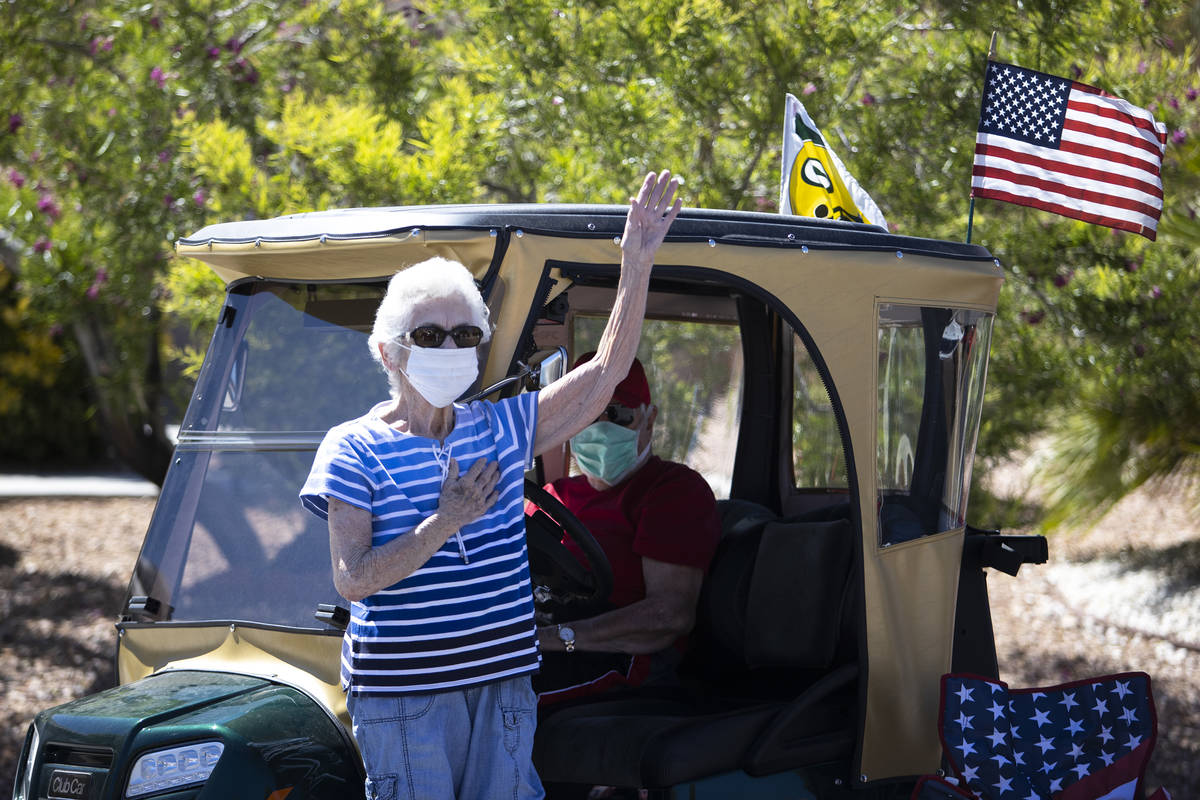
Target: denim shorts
<point>468,744</point>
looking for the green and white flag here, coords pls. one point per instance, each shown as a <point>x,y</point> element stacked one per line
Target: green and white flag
<point>815,182</point>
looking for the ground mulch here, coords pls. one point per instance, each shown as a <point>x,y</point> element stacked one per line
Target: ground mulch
<point>64,567</point>
<point>65,563</point>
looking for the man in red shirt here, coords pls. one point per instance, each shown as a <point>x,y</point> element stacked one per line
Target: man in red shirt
<point>657,522</point>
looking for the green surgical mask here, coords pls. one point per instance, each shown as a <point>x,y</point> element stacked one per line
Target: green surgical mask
<point>606,451</point>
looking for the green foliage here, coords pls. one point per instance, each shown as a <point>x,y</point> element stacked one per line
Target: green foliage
<point>43,405</point>
<point>133,123</point>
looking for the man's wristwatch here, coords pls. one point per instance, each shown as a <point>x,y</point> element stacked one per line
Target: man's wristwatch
<point>567,634</point>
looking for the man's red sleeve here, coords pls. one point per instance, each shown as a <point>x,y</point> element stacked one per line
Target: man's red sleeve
<point>677,522</point>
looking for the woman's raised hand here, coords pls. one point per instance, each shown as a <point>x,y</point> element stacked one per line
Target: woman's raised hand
<point>650,216</point>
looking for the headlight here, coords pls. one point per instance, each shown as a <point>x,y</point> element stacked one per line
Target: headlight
<point>22,789</point>
<point>174,767</point>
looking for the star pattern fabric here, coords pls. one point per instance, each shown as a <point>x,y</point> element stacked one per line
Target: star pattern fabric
<point>1024,105</point>
<point>1088,740</point>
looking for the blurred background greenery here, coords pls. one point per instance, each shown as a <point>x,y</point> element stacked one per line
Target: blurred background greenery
<point>125,124</point>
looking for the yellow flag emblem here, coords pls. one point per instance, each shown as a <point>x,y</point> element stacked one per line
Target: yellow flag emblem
<point>815,182</point>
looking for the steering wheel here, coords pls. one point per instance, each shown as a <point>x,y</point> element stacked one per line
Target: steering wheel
<point>561,583</point>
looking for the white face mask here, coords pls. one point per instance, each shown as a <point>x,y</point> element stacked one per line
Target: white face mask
<point>441,374</point>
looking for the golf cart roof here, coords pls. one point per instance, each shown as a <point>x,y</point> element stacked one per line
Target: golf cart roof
<point>362,242</point>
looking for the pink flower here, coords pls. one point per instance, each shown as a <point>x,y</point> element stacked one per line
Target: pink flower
<point>159,77</point>
<point>155,22</point>
<point>1063,278</point>
<point>234,46</point>
<point>1179,136</point>
<point>168,201</point>
<point>1173,103</point>
<point>213,53</point>
<point>1193,93</point>
<point>93,292</point>
<point>101,276</point>
<point>47,206</point>
<point>809,88</point>
<point>868,99</point>
<point>16,178</point>
<point>199,197</point>
<point>164,156</point>
<point>556,100</point>
<point>1133,266</point>
<point>1155,292</point>
<point>15,121</point>
<point>243,71</point>
<point>42,245</point>
<point>97,43</point>
<point>1142,67</point>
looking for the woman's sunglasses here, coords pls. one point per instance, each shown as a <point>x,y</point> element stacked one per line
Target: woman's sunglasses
<point>433,336</point>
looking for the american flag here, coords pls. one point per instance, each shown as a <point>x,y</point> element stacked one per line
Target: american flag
<point>1087,740</point>
<point>1062,146</point>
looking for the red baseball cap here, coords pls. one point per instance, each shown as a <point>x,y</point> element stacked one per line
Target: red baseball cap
<point>633,390</point>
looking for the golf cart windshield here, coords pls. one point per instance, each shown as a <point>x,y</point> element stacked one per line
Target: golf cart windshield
<point>229,539</point>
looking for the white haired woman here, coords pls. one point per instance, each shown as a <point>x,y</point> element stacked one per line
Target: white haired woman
<point>425,507</point>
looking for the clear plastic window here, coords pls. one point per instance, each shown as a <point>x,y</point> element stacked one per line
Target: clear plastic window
<point>253,553</point>
<point>303,363</point>
<point>932,367</point>
<point>818,457</point>
<point>695,374</point>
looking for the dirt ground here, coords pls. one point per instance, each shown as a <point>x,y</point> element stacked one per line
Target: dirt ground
<point>1120,596</point>
<point>64,565</point>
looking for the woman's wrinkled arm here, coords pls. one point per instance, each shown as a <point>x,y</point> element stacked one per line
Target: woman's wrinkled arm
<point>570,404</point>
<point>360,570</point>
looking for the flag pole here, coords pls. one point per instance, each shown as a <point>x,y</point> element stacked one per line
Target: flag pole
<point>971,209</point>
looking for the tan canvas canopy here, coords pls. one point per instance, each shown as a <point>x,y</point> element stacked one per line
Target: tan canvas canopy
<point>832,277</point>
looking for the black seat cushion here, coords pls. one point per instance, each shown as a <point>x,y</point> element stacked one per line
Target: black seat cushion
<point>641,741</point>
<point>798,594</point>
<point>776,596</point>
<point>764,689</point>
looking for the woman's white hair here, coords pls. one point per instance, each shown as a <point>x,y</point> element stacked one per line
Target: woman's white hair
<point>435,279</point>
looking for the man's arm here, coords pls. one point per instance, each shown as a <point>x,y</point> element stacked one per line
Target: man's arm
<point>667,612</point>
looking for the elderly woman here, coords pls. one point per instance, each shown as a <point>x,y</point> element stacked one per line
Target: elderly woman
<point>426,528</point>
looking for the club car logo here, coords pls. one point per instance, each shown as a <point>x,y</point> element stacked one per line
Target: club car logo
<point>69,785</point>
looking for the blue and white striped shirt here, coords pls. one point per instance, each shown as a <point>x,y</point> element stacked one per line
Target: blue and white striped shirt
<point>465,617</point>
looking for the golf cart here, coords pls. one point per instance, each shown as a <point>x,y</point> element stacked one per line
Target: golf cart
<point>827,380</point>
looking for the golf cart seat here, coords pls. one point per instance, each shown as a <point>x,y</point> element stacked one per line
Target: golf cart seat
<point>769,681</point>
